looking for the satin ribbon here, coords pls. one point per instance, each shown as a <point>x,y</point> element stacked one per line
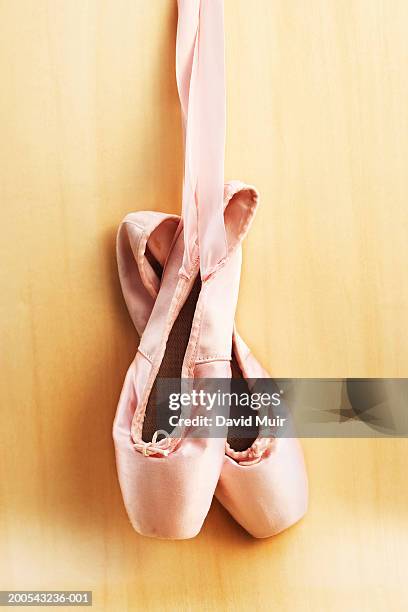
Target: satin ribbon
<point>200,71</point>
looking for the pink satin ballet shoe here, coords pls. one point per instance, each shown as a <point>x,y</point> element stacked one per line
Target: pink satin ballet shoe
<point>168,484</point>
<point>272,471</point>
<point>143,243</point>
<point>263,482</point>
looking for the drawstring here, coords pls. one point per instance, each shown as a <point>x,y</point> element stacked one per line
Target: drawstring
<point>253,454</point>
<point>153,448</point>
<point>254,458</point>
<point>200,71</point>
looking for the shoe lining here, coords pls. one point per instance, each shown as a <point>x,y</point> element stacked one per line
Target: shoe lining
<point>172,363</point>
<point>235,439</point>
<point>156,266</point>
<point>171,367</point>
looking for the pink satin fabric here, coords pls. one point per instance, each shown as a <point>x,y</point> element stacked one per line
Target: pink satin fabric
<point>200,70</point>
<point>269,496</point>
<point>168,485</point>
<point>140,284</point>
<point>265,497</point>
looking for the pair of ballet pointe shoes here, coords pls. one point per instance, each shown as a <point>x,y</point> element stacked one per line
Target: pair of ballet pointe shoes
<point>187,331</point>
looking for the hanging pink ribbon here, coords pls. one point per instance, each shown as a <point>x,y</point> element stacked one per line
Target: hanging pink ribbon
<point>200,70</point>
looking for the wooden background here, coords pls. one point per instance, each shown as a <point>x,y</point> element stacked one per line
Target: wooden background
<point>90,129</point>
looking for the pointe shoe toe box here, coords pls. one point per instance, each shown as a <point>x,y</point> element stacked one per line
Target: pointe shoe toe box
<point>270,496</point>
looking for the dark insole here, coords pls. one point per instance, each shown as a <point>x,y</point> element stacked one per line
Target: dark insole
<point>172,362</point>
<point>171,367</point>
<point>235,434</point>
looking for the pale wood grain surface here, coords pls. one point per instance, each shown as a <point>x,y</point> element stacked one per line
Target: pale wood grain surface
<point>90,129</point>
